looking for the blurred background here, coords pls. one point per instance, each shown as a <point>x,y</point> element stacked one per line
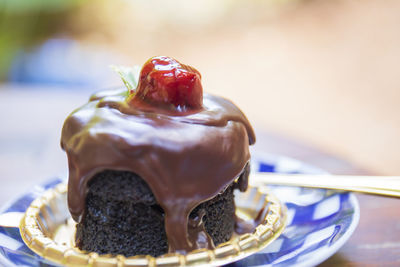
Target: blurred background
<point>323,73</point>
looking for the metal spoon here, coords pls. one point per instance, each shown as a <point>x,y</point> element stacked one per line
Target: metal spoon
<point>377,185</point>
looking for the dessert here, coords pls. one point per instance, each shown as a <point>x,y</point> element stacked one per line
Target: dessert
<point>152,169</point>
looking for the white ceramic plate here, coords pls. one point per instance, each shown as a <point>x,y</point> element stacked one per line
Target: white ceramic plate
<point>319,222</point>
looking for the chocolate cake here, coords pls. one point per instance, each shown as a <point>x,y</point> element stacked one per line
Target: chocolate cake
<point>153,169</point>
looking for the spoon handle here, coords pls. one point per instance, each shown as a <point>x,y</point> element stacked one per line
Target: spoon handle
<point>378,185</point>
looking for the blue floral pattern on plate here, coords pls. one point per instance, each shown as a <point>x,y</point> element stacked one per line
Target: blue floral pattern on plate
<point>319,222</point>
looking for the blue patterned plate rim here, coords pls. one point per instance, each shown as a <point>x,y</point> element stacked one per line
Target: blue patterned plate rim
<point>319,221</point>
<point>321,256</point>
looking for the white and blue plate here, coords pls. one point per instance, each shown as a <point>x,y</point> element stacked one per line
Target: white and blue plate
<point>319,222</point>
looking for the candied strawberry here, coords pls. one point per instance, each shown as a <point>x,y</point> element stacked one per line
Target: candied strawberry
<point>166,83</point>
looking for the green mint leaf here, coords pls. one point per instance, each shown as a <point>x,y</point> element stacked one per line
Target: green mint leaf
<point>129,75</point>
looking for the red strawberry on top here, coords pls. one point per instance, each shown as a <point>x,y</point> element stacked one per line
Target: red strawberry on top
<point>166,83</point>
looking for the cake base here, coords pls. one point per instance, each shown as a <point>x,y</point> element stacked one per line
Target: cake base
<point>123,217</point>
<point>48,229</point>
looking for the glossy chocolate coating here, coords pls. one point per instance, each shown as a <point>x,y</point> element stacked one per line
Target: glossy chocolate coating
<point>185,160</point>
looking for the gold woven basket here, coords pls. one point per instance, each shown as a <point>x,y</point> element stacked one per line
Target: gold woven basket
<point>48,230</point>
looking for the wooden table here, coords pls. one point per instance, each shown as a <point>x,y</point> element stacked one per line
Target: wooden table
<point>31,120</point>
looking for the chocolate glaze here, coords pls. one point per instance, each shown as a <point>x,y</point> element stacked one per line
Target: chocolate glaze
<point>197,234</point>
<point>248,226</point>
<point>185,160</point>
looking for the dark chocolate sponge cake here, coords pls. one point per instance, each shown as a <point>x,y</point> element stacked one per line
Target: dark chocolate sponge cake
<point>152,169</point>
<point>123,217</point>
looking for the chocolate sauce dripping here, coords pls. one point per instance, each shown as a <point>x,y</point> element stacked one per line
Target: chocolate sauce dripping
<point>248,226</point>
<point>185,160</point>
<point>197,233</point>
